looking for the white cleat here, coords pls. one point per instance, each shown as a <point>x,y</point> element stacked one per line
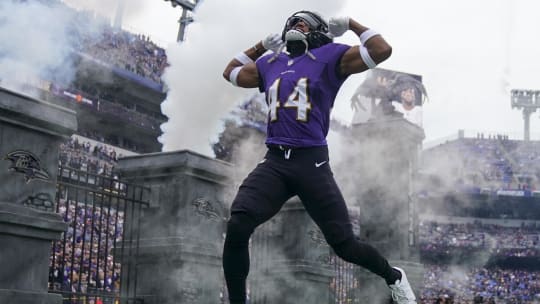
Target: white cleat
<point>402,292</point>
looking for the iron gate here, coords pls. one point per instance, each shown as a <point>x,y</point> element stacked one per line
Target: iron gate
<point>92,262</point>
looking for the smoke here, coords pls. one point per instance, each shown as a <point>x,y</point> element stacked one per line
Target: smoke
<point>131,10</point>
<point>38,43</point>
<point>198,96</point>
<point>104,8</point>
<point>246,156</point>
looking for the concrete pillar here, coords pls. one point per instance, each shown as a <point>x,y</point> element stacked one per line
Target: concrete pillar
<point>291,259</point>
<point>388,149</point>
<point>182,231</point>
<point>30,134</point>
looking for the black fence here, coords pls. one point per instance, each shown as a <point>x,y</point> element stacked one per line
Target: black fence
<point>91,263</point>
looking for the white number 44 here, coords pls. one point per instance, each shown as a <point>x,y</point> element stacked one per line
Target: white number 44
<point>298,99</point>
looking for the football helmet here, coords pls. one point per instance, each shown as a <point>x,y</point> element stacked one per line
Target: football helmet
<point>318,34</point>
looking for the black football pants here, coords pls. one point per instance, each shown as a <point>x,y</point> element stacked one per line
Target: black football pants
<point>282,174</point>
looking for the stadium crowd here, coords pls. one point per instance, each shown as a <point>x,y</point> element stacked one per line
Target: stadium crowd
<point>494,162</point>
<point>444,284</point>
<point>133,52</point>
<point>94,159</point>
<point>83,261</point>
<point>499,240</point>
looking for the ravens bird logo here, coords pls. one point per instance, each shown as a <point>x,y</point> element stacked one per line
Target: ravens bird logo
<point>316,236</point>
<point>26,163</point>
<point>205,208</point>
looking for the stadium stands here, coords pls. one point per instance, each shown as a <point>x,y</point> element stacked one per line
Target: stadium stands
<point>495,163</point>
<point>444,284</point>
<point>521,241</point>
<point>479,234</point>
<point>96,159</point>
<point>92,233</point>
<point>132,52</point>
<point>103,106</point>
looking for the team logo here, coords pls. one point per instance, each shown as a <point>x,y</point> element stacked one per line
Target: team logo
<point>317,165</point>
<point>316,236</point>
<point>26,163</point>
<point>205,208</point>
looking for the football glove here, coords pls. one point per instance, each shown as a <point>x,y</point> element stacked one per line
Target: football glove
<point>337,26</point>
<point>272,42</point>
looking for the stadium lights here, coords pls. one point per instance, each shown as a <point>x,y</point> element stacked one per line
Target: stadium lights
<point>187,5</point>
<point>525,98</point>
<point>528,101</point>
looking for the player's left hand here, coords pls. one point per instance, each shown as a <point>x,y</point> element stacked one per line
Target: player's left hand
<point>337,26</point>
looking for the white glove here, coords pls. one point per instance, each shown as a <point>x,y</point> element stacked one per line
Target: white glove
<point>272,42</point>
<point>337,26</point>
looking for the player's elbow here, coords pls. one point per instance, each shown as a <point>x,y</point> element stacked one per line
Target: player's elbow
<point>387,52</point>
<point>226,74</point>
<point>382,53</point>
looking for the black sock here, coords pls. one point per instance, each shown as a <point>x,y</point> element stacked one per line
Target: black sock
<point>396,275</point>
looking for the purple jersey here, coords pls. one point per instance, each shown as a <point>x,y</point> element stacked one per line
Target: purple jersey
<point>300,94</point>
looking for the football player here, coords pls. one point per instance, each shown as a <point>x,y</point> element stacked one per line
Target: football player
<point>300,87</point>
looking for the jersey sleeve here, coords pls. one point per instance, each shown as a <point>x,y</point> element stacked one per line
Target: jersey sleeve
<point>333,54</point>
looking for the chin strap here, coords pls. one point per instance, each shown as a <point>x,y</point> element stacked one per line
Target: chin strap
<point>276,54</point>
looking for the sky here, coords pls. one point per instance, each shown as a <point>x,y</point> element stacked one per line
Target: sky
<point>469,53</point>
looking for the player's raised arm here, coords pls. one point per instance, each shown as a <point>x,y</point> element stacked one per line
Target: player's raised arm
<point>242,71</point>
<point>373,49</point>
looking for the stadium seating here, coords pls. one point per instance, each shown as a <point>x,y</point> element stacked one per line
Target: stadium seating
<point>492,164</point>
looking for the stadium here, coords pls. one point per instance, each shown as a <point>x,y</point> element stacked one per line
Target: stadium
<point>94,209</point>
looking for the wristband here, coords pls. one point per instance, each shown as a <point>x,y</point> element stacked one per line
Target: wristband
<point>243,58</point>
<point>366,35</point>
<point>234,75</point>
<point>366,57</point>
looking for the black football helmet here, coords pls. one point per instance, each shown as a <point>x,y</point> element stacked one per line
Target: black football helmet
<point>318,34</point>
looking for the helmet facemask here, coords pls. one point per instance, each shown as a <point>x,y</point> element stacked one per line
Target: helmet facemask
<point>299,43</point>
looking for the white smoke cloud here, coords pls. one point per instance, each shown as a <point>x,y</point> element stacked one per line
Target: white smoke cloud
<point>104,8</point>
<point>130,10</point>
<point>198,96</point>
<point>38,41</point>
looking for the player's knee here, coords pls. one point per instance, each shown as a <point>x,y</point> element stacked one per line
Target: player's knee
<point>345,249</point>
<point>336,232</point>
<point>239,228</point>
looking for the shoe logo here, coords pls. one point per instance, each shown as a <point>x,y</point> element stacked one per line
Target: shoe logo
<point>320,164</point>
<point>262,161</point>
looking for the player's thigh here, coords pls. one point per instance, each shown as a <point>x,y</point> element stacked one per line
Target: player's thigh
<point>262,193</point>
<point>325,204</point>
